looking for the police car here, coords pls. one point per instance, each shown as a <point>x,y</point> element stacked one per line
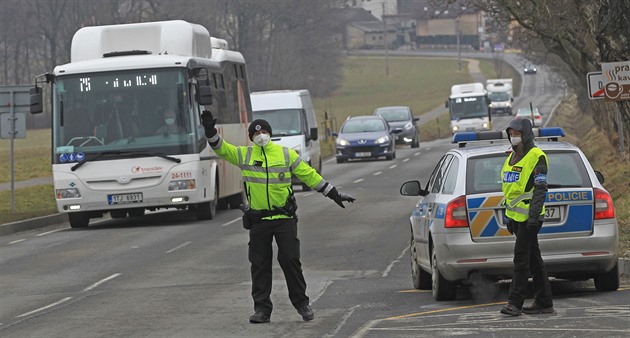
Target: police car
<point>458,228</point>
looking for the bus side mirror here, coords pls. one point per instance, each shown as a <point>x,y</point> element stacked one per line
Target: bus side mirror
<point>36,100</point>
<point>204,94</point>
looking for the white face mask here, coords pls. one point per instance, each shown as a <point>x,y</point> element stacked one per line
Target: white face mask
<point>169,121</point>
<point>262,139</point>
<point>515,140</point>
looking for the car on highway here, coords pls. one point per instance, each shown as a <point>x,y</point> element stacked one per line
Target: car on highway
<point>526,113</point>
<point>401,117</point>
<point>530,69</point>
<point>458,229</point>
<point>365,137</point>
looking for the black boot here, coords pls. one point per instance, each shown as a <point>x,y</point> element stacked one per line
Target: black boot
<point>306,312</point>
<point>260,317</point>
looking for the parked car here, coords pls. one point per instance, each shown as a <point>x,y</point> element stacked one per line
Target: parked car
<point>364,137</point>
<point>529,69</point>
<point>526,113</point>
<point>458,230</point>
<point>401,117</point>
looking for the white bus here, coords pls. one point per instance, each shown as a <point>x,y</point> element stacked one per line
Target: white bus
<point>126,131</point>
<point>468,107</point>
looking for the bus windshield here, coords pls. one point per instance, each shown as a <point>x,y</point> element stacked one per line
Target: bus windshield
<point>137,110</point>
<point>284,122</point>
<point>468,107</point>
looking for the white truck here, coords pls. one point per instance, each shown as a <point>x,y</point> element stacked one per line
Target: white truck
<point>126,133</point>
<point>501,95</point>
<point>294,125</point>
<point>468,108</point>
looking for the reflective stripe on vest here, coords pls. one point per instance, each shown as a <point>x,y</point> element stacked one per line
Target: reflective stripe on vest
<point>515,179</point>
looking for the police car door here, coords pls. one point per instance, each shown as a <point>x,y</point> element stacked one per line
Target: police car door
<point>432,208</point>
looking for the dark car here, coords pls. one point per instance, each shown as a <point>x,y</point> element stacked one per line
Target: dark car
<point>401,117</point>
<point>364,137</point>
<point>529,69</point>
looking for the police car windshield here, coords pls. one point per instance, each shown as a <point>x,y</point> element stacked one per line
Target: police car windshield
<point>566,170</point>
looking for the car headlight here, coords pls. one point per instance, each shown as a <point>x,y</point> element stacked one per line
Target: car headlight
<point>509,105</point>
<point>485,125</point>
<point>181,185</point>
<point>455,128</point>
<point>67,193</point>
<point>408,126</point>
<point>341,142</point>
<point>382,139</point>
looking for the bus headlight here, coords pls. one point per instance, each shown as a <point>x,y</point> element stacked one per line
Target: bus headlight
<point>67,193</point>
<point>181,185</point>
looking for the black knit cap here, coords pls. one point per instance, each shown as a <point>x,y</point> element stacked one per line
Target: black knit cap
<point>258,125</point>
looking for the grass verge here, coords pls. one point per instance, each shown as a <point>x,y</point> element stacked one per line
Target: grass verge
<point>30,202</point>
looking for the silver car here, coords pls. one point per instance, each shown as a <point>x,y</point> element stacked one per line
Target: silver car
<point>458,229</point>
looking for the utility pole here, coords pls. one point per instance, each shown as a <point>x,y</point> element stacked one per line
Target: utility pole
<point>459,50</point>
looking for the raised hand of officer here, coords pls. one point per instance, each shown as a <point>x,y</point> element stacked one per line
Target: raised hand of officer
<point>339,198</point>
<point>208,122</point>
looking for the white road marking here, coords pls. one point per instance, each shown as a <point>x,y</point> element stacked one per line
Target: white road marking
<point>44,308</point>
<point>307,194</point>
<point>377,173</point>
<point>357,181</point>
<point>343,321</point>
<point>18,241</point>
<point>91,287</point>
<point>391,265</point>
<point>178,247</point>
<point>230,222</point>
<point>416,154</point>
<point>50,232</point>
<point>393,166</point>
<point>406,159</point>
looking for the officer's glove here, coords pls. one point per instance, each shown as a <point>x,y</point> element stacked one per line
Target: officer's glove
<point>533,224</point>
<point>208,121</point>
<point>334,195</point>
<point>510,226</point>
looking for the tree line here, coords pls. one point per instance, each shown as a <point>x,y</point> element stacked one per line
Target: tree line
<point>295,43</point>
<point>288,44</point>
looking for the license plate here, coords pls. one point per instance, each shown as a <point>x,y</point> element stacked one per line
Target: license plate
<point>366,154</point>
<point>553,214</point>
<point>124,198</point>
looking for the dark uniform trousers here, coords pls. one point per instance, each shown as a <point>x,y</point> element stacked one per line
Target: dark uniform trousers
<point>528,259</point>
<point>261,258</point>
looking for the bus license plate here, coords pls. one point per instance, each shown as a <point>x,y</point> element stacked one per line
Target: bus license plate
<point>366,154</point>
<point>553,214</point>
<point>124,198</point>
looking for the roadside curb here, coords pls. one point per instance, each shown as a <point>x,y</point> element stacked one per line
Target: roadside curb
<point>33,223</point>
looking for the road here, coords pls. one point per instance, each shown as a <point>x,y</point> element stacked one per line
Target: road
<point>168,275</point>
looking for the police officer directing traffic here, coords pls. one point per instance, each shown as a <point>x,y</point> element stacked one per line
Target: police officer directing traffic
<point>525,188</point>
<point>267,169</point>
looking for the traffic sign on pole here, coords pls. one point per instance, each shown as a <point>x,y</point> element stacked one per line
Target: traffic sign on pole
<point>596,82</point>
<point>617,85</point>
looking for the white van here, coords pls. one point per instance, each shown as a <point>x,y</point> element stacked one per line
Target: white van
<point>292,118</point>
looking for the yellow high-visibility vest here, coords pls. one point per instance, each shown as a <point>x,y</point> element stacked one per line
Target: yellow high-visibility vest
<point>267,172</point>
<point>515,179</point>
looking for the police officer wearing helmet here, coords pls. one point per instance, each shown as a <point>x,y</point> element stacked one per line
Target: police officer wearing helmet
<point>267,169</point>
<point>525,188</point>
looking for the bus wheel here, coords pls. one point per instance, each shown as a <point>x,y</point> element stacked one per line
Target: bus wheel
<point>136,212</point>
<point>79,219</point>
<point>207,210</point>
<point>122,213</point>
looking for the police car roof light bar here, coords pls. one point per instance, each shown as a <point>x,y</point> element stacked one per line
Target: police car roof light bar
<point>550,133</point>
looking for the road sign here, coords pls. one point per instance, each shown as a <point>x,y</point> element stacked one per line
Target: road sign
<point>617,85</point>
<point>596,82</point>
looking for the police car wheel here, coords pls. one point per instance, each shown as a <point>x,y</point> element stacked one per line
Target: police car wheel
<point>421,279</point>
<point>608,281</point>
<point>442,289</point>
